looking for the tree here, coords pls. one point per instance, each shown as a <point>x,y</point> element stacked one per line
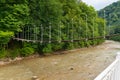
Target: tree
<point>13,16</point>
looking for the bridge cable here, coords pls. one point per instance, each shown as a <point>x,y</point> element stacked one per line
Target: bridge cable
<point>72,32</point>
<point>68,30</point>
<point>60,32</point>
<point>79,30</point>
<point>49,32</point>
<point>41,33</point>
<point>86,29</point>
<point>28,32</point>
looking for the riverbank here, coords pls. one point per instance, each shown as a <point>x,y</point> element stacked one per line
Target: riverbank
<point>8,61</point>
<point>77,64</point>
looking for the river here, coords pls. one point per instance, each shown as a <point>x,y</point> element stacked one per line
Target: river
<point>77,64</point>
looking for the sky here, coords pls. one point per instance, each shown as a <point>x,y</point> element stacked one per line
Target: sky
<point>99,4</point>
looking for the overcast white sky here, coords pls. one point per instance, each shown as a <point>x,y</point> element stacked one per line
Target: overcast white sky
<point>99,4</point>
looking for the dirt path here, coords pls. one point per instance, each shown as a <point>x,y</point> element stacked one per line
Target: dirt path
<point>78,64</point>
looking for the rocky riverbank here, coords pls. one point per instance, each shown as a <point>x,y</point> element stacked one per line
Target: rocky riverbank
<point>7,61</point>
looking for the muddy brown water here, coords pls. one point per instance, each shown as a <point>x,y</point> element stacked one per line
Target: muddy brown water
<point>77,64</point>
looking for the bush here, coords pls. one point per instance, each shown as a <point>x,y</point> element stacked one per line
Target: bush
<point>47,48</point>
<point>5,36</point>
<point>82,44</point>
<point>26,51</point>
<point>15,53</point>
<point>68,46</point>
<point>76,45</point>
<point>57,46</point>
<point>87,43</point>
<point>115,38</point>
<point>3,53</point>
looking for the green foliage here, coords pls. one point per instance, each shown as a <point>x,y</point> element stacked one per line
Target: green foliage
<point>78,17</point>
<point>87,43</point>
<point>112,16</point>
<point>116,38</point>
<point>115,30</point>
<point>47,48</point>
<point>14,53</point>
<point>112,13</point>
<point>25,51</point>
<point>57,46</point>
<point>68,46</point>
<point>3,53</point>
<point>13,16</point>
<point>82,44</point>
<point>5,36</point>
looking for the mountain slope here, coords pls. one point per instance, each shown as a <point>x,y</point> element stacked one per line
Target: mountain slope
<point>112,14</point>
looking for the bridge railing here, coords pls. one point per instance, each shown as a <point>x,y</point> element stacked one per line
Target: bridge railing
<point>112,72</point>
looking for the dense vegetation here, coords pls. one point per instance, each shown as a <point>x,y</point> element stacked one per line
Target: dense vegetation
<point>112,16</point>
<point>16,15</point>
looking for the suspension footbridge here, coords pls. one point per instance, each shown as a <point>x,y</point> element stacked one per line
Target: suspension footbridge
<point>41,35</point>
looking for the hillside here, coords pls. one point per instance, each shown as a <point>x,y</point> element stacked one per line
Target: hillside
<point>112,13</point>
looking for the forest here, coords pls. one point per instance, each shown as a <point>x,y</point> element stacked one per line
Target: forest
<point>112,16</point>
<point>16,15</point>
